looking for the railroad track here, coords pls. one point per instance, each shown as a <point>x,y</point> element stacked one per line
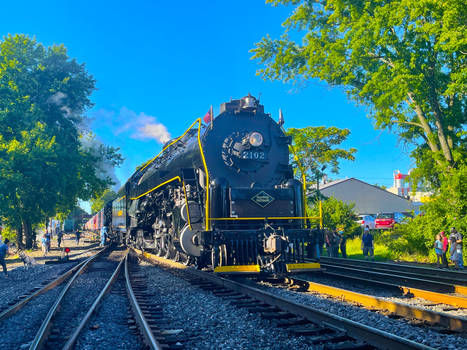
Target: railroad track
<point>27,296</point>
<point>440,280</point>
<point>58,321</point>
<point>317,326</point>
<point>411,312</point>
<point>386,276</point>
<point>56,330</point>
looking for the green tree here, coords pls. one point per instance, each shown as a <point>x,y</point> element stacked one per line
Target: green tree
<point>315,148</point>
<point>97,203</point>
<point>337,214</point>
<point>45,163</point>
<point>447,208</point>
<point>405,60</point>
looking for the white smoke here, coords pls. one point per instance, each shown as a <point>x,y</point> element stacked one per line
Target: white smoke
<point>139,126</point>
<point>59,99</point>
<point>105,169</point>
<point>155,131</point>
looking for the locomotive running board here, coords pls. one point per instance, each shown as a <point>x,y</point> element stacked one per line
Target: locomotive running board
<point>237,269</point>
<point>304,267</point>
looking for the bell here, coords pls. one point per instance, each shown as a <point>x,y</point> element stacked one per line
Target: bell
<point>249,102</point>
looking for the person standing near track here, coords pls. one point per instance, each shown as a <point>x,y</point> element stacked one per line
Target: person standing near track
<point>445,242</point>
<point>44,245</point>
<point>3,253</point>
<point>438,250</point>
<point>459,250</point>
<point>367,244</point>
<point>329,239</point>
<point>342,242</point>
<point>78,236</point>
<point>59,238</point>
<point>103,235</point>
<point>47,241</point>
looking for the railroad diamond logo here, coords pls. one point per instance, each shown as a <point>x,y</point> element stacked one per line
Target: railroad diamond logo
<point>262,199</point>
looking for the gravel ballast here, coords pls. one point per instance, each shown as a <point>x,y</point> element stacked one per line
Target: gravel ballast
<point>400,327</point>
<point>109,327</point>
<point>381,292</point>
<point>209,322</point>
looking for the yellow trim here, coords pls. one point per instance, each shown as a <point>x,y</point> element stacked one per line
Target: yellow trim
<point>302,266</point>
<point>186,202</point>
<point>303,176</point>
<point>207,175</point>
<point>118,200</point>
<point>151,160</point>
<point>237,269</point>
<point>272,218</point>
<point>320,215</point>
<point>199,121</point>
<point>155,188</point>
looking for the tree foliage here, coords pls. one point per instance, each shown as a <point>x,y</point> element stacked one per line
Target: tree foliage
<point>404,59</point>
<point>447,208</point>
<point>337,214</point>
<point>97,203</point>
<point>315,148</point>
<point>45,165</point>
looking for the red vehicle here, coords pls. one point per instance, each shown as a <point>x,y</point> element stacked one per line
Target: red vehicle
<point>385,221</point>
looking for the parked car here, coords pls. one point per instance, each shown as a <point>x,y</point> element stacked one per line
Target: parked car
<point>385,221</point>
<point>366,219</point>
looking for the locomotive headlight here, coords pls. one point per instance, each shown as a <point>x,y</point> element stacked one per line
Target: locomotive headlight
<point>256,139</point>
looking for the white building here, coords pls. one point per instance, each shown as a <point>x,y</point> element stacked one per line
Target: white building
<point>368,199</point>
<point>401,187</point>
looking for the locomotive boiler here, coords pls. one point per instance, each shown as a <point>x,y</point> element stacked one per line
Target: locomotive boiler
<point>221,195</point>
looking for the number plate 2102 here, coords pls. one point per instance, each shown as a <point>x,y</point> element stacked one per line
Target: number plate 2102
<point>253,155</point>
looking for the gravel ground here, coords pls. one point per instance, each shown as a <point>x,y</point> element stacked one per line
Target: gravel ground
<point>209,322</point>
<point>381,292</point>
<point>21,280</point>
<point>109,327</point>
<point>84,291</point>
<point>19,330</point>
<point>399,327</point>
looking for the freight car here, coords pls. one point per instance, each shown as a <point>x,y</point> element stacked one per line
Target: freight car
<point>221,195</point>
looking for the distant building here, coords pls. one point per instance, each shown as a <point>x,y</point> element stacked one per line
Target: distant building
<point>368,199</point>
<point>401,188</point>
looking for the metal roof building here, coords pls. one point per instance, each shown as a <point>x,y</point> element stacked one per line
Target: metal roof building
<point>368,199</point>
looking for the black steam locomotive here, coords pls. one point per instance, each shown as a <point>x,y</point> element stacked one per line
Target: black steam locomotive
<point>220,195</point>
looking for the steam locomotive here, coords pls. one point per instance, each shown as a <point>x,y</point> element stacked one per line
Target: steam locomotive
<point>221,195</point>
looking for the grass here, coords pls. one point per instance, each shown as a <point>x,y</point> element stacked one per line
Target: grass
<point>354,250</point>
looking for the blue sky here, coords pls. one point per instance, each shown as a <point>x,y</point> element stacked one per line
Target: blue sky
<point>160,64</point>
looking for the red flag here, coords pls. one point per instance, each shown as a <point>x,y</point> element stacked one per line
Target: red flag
<point>207,118</point>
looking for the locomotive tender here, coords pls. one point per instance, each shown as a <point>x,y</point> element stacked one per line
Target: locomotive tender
<point>221,195</point>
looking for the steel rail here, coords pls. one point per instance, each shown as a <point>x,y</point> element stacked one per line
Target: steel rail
<point>436,297</point>
<point>442,275</point>
<point>414,282</point>
<point>41,335</point>
<point>359,331</point>
<point>453,323</point>
<point>20,304</point>
<point>144,326</point>
<point>74,337</point>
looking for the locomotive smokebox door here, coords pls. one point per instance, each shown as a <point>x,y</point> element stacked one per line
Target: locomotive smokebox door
<point>274,244</point>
